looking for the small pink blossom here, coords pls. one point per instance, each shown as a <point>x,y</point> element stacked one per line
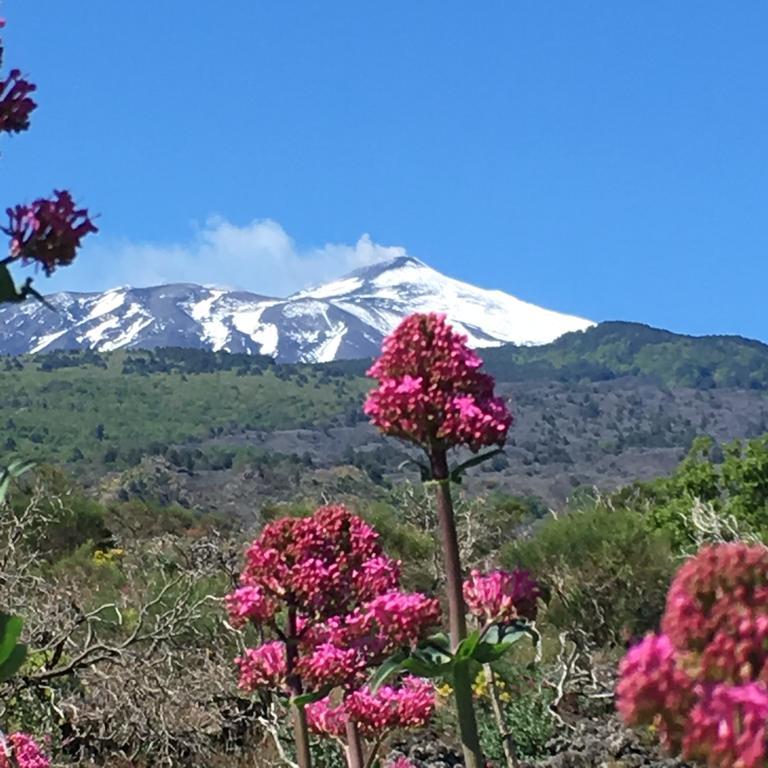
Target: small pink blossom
<point>326,719</point>
<point>24,751</point>
<point>704,681</point>
<point>728,727</point>
<point>502,596</point>
<point>15,102</point>
<point>410,705</point>
<point>403,618</point>
<point>329,664</point>
<point>249,603</point>
<point>263,666</point>
<point>48,231</point>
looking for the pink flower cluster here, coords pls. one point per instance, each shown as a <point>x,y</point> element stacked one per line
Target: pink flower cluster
<point>19,750</point>
<point>328,571</point>
<point>325,564</point>
<point>431,391</point>
<point>502,596</point>
<point>15,102</point>
<point>410,705</point>
<point>263,667</point>
<point>48,231</point>
<point>704,681</point>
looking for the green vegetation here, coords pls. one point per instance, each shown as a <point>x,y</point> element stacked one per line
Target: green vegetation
<point>615,349</point>
<point>113,409</point>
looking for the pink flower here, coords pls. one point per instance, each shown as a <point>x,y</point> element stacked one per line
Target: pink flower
<point>15,102</point>
<point>704,681</point>
<point>325,719</point>
<point>402,618</point>
<point>329,664</point>
<point>501,596</point>
<point>24,751</point>
<point>430,389</point>
<point>401,762</point>
<point>325,563</point>
<point>718,606</point>
<point>47,231</point>
<point>410,705</point>
<point>652,687</point>
<point>249,603</point>
<point>262,667</point>
<point>728,727</point>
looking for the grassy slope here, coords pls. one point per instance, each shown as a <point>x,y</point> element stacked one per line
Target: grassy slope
<point>53,415</point>
<point>48,414</point>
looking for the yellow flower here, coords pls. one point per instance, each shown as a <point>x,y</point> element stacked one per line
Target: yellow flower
<point>444,690</point>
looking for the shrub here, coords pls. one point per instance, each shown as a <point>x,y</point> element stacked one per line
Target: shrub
<point>603,571</point>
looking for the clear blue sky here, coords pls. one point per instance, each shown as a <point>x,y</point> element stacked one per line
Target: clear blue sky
<point>608,159</point>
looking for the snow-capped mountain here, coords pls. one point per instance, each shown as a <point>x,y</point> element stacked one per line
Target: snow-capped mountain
<point>343,319</point>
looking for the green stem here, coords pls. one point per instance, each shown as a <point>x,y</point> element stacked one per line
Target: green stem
<point>470,741</point>
<point>507,740</point>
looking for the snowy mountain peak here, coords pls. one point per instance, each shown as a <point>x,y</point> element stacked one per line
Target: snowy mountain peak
<point>343,318</point>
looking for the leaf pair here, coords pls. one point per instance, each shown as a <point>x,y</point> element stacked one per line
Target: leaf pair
<point>434,659</point>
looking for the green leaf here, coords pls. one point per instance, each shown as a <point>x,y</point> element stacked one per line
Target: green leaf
<point>466,648</point>
<point>459,470</point>
<point>12,664</point>
<point>14,469</point>
<point>493,648</point>
<point>428,669</point>
<point>10,629</point>
<point>308,698</point>
<point>388,668</point>
<point>439,640</point>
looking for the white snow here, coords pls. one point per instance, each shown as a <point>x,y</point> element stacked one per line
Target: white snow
<point>108,302</point>
<point>124,338</point>
<point>327,349</point>
<point>378,299</point>
<point>44,341</point>
<point>95,333</point>
<point>268,337</point>
<point>334,288</point>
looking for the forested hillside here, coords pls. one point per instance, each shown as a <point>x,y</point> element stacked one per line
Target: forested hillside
<point>613,404</point>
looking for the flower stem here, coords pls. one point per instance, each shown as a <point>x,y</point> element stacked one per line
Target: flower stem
<point>355,755</point>
<point>470,742</point>
<point>507,739</point>
<point>300,730</point>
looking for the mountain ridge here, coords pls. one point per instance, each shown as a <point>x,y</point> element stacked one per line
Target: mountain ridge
<point>345,318</point>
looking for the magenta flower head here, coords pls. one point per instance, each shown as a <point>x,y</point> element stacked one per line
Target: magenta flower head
<point>502,596</point>
<point>410,705</point>
<point>728,726</point>
<point>704,681</point>
<point>431,391</point>
<point>47,232</point>
<point>325,564</point>
<point>15,103</point>
<point>19,750</point>
<point>263,666</point>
